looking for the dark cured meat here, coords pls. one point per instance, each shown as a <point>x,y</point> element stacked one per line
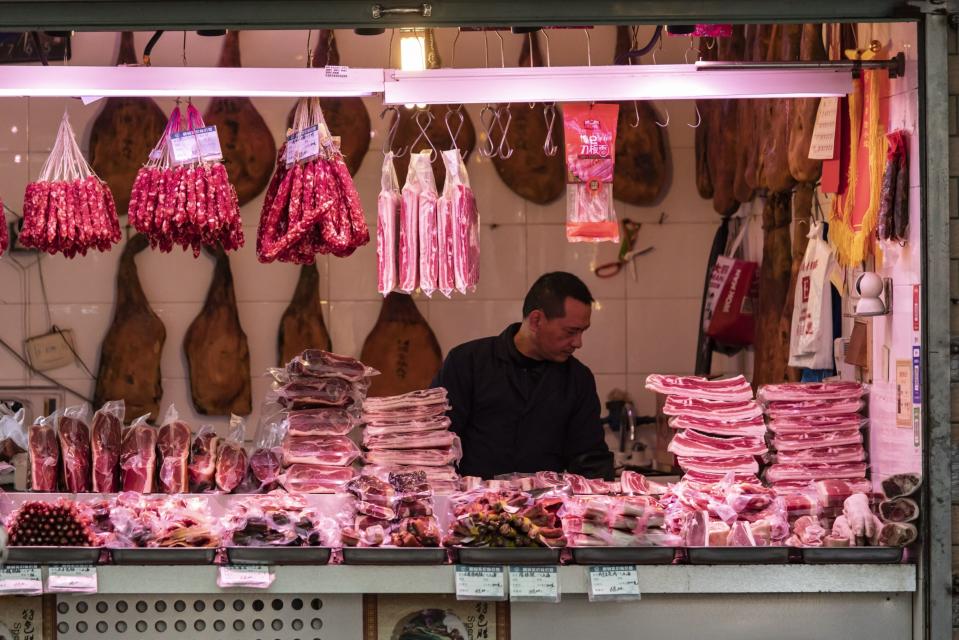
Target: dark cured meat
<point>704,180</point>
<point>216,350</point>
<point>130,355</point>
<point>804,113</point>
<point>247,144</point>
<point>752,175</point>
<point>203,455</point>
<point>347,117</point>
<point>721,121</point>
<point>407,131</point>
<point>529,172</point>
<point>776,140</point>
<point>771,345</point>
<point>301,326</point>
<point>173,445</point>
<point>746,125</point>
<point>44,457</point>
<point>643,168</point>
<point>138,459</point>
<point>105,449</point>
<point>74,437</point>
<point>802,213</point>
<point>402,347</point>
<point>123,134</point>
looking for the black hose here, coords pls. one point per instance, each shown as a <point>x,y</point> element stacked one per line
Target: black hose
<point>35,36</point>
<point>638,53</point>
<point>147,50</point>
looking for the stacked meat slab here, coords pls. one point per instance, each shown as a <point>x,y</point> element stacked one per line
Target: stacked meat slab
<point>398,512</point>
<point>323,397</point>
<point>410,432</point>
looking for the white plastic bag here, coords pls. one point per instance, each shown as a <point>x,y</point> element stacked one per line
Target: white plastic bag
<point>811,340</point>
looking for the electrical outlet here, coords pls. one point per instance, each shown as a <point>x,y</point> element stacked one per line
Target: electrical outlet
<point>52,350</point>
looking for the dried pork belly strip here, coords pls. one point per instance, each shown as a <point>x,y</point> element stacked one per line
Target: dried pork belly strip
<point>428,440</point>
<point>309,478</point>
<point>715,410</point>
<point>819,471</point>
<point>414,457</point>
<point>814,439</point>
<point>333,451</point>
<point>414,425</point>
<point>736,464</point>
<point>732,389</point>
<point>816,424</point>
<point>695,444</point>
<point>712,477</point>
<point>835,455</point>
<point>795,391</point>
<point>319,363</point>
<point>751,427</point>
<point>810,408</point>
<point>413,398</point>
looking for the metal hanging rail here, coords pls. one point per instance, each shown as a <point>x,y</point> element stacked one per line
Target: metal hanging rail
<point>895,65</point>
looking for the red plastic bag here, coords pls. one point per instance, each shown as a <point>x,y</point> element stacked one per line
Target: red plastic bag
<point>590,156</point>
<point>728,316</point>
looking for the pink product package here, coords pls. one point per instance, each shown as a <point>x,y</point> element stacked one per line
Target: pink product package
<point>429,242</point>
<point>387,228</point>
<point>310,478</point>
<point>409,220</point>
<point>332,451</point>
<point>464,217</point>
<point>446,267</point>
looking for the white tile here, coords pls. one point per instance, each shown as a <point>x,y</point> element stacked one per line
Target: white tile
<point>12,331</point>
<point>80,280</point>
<point>13,131</point>
<point>605,383</point>
<point>45,115</point>
<point>662,335</point>
<point>14,175</point>
<point>350,323</point>
<point>458,321</point>
<point>552,213</point>
<point>258,282</point>
<point>548,250</point>
<point>676,267</point>
<point>497,204</point>
<point>502,263</point>
<point>681,202</point>
<point>645,401</point>
<point>174,277</point>
<point>604,343</point>
<point>355,277</point>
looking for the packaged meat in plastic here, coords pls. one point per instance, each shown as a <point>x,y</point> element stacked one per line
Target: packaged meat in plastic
<point>413,405</point>
<point>483,518</point>
<point>813,425</point>
<point>735,389</point>
<point>463,220</point>
<point>371,489</point>
<point>434,475</point>
<point>138,457</point>
<point>164,521</point>
<point>13,432</point>
<point>324,364</point>
<point>232,459</point>
<point>816,439</point>
<point>387,226</point>
<point>420,531</point>
<point>403,426</point>
<point>105,439</point>
<point>426,440</point>
<point>446,267</point>
<point>329,392</point>
<point>311,478</point>
<point>282,519</point>
<point>813,408</point>
<point>173,446</point>
<point>320,422</point>
<point>73,434</point>
<point>736,464</point>
<point>716,410</point>
<point>815,471</point>
<point>590,156</point>
<point>203,454</point>
<point>266,461</point>
<point>408,254</point>
<point>798,391</point>
<point>44,454</point>
<point>692,443</point>
<point>835,455</point>
<point>331,451</point>
<point>426,227</point>
<point>755,427</point>
<point>416,457</point>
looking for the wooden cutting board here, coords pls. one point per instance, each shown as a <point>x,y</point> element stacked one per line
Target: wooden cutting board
<point>776,141</point>
<point>771,346</point>
<point>130,355</point>
<point>217,353</point>
<point>248,147</point>
<point>804,113</point>
<point>721,121</point>
<point>402,347</point>
<point>302,326</point>
<point>123,134</point>
<point>801,215</point>
<point>345,117</point>
<point>407,131</point>
<point>643,169</point>
<point>529,172</point>
<point>760,114</point>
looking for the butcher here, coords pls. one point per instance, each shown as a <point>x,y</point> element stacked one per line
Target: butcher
<point>521,402</point>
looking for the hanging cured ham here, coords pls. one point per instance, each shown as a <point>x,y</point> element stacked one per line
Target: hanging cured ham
<point>721,120</point>
<point>302,326</point>
<point>775,151</point>
<point>771,345</point>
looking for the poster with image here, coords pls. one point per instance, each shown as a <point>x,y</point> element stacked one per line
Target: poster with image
<point>433,617</point>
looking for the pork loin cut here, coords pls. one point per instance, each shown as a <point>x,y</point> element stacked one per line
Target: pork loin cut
<point>694,444</point>
<point>74,437</point>
<point>203,454</point>
<point>309,478</point>
<point>811,408</point>
<point>138,458</point>
<point>231,466</point>
<point>44,457</point>
<point>816,424</point>
<point>106,437</point>
<point>732,389</point>
<point>173,444</point>
<point>699,479</point>
<point>833,455</point>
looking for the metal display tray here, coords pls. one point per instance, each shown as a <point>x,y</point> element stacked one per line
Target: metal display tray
<point>498,555</point>
<point>53,555</point>
<point>394,555</point>
<point>737,555</point>
<point>177,555</point>
<point>852,555</point>
<point>623,555</point>
<point>278,555</point>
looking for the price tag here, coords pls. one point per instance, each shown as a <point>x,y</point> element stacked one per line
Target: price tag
<point>190,146</point>
<point>823,143</point>
<point>303,145</point>
<point>253,576</point>
<point>336,71</point>
<point>26,579</point>
<point>480,583</point>
<point>72,578</point>
<point>614,582</point>
<point>534,584</point>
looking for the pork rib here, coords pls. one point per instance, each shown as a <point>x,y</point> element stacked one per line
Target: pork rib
<point>173,444</point>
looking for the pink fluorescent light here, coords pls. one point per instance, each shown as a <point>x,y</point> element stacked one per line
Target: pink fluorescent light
<point>53,81</point>
<point>621,82</point>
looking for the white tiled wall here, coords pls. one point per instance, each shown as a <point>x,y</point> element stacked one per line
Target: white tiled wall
<point>639,326</point>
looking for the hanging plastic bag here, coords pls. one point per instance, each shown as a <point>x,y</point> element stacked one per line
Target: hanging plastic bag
<point>387,226</point>
<point>138,457</point>
<point>203,454</point>
<point>12,430</point>
<point>106,435</point>
<point>409,226</point>
<point>465,222</point>
<point>728,311</point>
<point>174,440</point>
<point>811,339</point>
<point>232,459</point>
<point>426,211</point>
<point>590,157</point>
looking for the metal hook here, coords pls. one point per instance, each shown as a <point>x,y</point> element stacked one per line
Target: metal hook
<point>458,110</point>
<point>489,118</point>
<point>699,119</point>
<point>504,150</point>
<point>691,48</point>
<point>663,124</point>
<point>502,56</point>
<point>391,134</point>
<point>389,50</point>
<point>424,135</point>
<point>589,50</point>
<point>549,114</point>
<point>711,43</point>
<point>546,35</point>
<point>453,54</point>
<point>635,123</point>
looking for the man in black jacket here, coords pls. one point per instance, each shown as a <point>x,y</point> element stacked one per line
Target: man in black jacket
<point>520,401</point>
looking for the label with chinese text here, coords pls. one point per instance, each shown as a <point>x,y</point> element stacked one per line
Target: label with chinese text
<point>480,583</point>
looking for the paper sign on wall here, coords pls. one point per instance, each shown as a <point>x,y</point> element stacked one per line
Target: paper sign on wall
<point>823,144</point>
<point>904,394</point>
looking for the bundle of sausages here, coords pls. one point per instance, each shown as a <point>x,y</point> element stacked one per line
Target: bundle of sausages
<point>69,210</point>
<point>188,204</point>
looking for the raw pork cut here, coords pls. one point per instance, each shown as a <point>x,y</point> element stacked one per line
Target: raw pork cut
<point>732,389</point>
<point>716,410</point>
<point>693,443</point>
<point>138,458</point>
<point>407,426</point>
<point>266,465</point>
<point>751,427</point>
<point>231,464</point>
<point>203,454</point>
<point>424,403</point>
<point>812,439</point>
<point>895,534</point>
<point>323,364</point>
<point>816,424</point>
<point>309,478</point>
<point>798,391</point>
<point>736,464</point>
<point>833,492</point>
<point>702,478</point>
<point>902,484</point>
<point>320,422</point>
<point>331,451</point>
<point>834,455</point>
<point>74,437</point>
<point>416,457</point>
<point>330,392</point>
<point>173,445</point>
<point>899,510</point>
<point>819,471</point>
<point>811,408</point>
<point>44,457</point>
<point>105,439</point>
<point>427,440</point>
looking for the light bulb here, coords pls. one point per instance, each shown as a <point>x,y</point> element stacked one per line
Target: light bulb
<point>412,51</point>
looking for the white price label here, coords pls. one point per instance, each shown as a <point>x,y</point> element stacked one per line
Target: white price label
<point>615,582</point>
<point>26,579</point>
<point>534,584</point>
<point>823,143</point>
<point>76,578</point>
<point>303,145</point>
<point>336,71</point>
<point>198,144</point>
<point>480,583</point>
<point>245,575</point>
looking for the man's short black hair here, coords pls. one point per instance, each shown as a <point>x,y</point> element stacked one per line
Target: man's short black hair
<point>550,291</point>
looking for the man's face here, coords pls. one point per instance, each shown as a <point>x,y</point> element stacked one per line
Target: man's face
<point>557,338</point>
